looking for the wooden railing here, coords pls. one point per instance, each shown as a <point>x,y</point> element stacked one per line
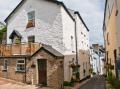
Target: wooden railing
<point>19,49</point>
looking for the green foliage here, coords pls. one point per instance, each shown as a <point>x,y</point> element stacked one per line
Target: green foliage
<point>93,73</point>
<point>115,83</point>
<point>2,31</point>
<point>78,75</point>
<point>66,83</point>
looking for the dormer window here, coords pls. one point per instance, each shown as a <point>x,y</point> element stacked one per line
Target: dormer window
<point>15,37</point>
<point>31,19</point>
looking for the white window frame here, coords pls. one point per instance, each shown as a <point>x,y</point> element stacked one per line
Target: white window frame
<point>18,65</point>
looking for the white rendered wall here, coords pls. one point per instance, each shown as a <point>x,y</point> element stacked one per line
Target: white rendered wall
<point>68,31</point>
<point>48,23</point>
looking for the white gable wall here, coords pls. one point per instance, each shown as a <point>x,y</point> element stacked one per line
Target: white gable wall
<point>82,35</point>
<point>68,31</point>
<point>48,23</point>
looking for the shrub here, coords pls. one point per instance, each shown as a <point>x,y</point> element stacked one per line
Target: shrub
<point>66,83</point>
<point>78,75</point>
<point>94,73</point>
<point>114,82</point>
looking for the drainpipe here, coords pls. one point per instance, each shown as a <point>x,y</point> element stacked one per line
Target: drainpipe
<point>25,69</point>
<point>76,43</point>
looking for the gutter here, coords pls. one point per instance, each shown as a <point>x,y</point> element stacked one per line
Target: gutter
<point>76,42</point>
<point>25,70</point>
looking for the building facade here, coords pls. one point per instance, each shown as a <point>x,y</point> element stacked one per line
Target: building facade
<point>111,34</point>
<point>51,23</point>
<point>97,59</point>
<point>42,66</point>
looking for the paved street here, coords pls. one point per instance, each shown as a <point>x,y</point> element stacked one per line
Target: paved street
<point>9,84</point>
<point>97,82</point>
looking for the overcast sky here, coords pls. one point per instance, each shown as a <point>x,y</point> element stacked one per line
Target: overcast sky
<point>92,12</point>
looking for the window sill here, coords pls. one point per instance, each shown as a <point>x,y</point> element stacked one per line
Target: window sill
<point>18,71</point>
<point>4,70</point>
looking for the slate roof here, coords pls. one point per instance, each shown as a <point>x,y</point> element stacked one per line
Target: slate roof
<point>73,12</point>
<point>15,33</point>
<point>51,50</point>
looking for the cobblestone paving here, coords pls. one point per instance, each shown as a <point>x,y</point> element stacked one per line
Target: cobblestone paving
<point>97,82</point>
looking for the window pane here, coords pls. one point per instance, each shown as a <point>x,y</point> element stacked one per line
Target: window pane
<point>20,61</point>
<point>5,64</point>
<point>31,15</point>
<point>31,39</point>
<point>20,67</point>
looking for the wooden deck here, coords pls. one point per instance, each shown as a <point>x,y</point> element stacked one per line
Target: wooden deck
<point>18,49</point>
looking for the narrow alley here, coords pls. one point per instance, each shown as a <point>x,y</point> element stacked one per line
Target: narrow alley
<point>97,82</point>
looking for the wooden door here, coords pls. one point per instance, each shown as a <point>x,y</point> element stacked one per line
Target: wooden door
<point>42,71</point>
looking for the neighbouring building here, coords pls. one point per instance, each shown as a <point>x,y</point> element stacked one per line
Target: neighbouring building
<point>97,59</point>
<point>50,22</point>
<point>82,46</point>
<point>32,63</point>
<point>112,34</point>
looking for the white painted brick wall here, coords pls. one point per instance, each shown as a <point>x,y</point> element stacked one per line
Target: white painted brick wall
<point>48,23</point>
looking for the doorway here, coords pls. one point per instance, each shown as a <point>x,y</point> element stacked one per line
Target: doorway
<point>42,71</point>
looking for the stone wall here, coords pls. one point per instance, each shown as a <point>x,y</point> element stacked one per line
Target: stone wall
<point>11,72</point>
<point>84,64</point>
<point>55,69</point>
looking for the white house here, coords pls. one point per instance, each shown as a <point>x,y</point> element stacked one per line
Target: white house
<point>50,22</point>
<point>97,59</point>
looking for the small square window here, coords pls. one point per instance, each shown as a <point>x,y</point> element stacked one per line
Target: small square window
<point>31,39</point>
<point>5,65</point>
<point>20,65</point>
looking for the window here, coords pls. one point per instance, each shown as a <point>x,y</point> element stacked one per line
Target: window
<point>5,64</point>
<point>119,50</point>
<point>86,65</point>
<point>108,38</point>
<point>116,7</point>
<point>20,65</point>
<point>72,44</point>
<point>31,19</point>
<point>16,40</point>
<point>31,39</point>
<point>83,65</point>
